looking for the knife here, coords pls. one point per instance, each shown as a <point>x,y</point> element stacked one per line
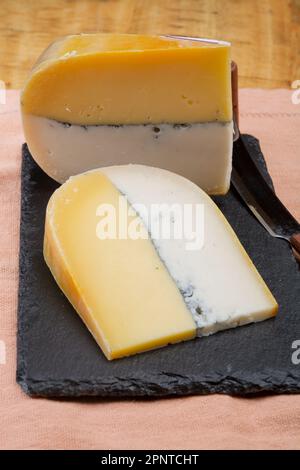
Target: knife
<point>254,190</point>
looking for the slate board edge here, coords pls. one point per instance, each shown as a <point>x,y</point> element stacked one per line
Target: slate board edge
<point>178,385</point>
<point>21,344</point>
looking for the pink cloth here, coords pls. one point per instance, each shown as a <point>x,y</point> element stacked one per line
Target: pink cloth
<point>199,422</point>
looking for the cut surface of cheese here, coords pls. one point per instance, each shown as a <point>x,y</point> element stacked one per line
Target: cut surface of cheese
<point>136,293</point>
<point>111,282</point>
<point>189,150</point>
<point>103,99</point>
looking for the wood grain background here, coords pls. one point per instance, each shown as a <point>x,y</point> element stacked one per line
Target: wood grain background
<point>265,34</point>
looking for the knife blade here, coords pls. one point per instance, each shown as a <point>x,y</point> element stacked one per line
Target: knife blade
<point>260,198</point>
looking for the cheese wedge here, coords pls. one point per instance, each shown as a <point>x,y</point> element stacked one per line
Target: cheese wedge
<point>117,244</point>
<point>100,99</point>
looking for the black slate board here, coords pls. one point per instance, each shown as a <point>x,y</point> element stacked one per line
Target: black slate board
<point>58,357</point>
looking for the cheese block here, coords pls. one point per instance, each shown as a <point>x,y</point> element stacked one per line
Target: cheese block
<point>146,258</point>
<point>101,99</point>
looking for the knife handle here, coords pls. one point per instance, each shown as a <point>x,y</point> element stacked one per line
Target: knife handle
<point>295,242</point>
<point>235,93</point>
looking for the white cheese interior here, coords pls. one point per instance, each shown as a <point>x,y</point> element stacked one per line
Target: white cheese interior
<point>200,152</point>
<point>219,283</point>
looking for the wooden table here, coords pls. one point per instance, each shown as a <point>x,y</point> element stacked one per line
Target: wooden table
<point>265,34</point>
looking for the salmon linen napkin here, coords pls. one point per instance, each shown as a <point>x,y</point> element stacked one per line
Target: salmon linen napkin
<point>195,422</point>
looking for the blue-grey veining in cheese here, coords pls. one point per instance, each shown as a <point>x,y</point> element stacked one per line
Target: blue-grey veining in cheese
<point>219,283</point>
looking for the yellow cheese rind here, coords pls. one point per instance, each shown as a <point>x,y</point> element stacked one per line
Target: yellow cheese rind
<point>120,288</point>
<point>130,79</point>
